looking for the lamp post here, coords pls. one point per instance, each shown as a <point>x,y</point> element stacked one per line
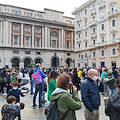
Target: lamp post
<point>61,59</point>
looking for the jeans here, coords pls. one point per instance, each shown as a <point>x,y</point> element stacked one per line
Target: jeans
<point>38,88</point>
<point>113,91</point>
<point>32,86</point>
<point>90,115</point>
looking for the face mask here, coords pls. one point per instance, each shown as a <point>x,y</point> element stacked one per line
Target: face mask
<point>95,78</point>
<point>14,88</point>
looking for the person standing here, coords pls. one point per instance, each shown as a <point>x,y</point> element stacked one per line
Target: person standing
<point>39,87</point>
<point>90,95</point>
<point>51,83</point>
<point>31,80</point>
<point>115,73</point>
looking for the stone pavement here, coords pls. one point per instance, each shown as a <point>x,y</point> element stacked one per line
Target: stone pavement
<point>34,114</point>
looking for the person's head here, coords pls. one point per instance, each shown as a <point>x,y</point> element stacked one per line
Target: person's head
<point>32,66</point>
<point>64,81</point>
<point>75,71</point>
<point>16,77</point>
<point>110,74</point>
<point>38,65</point>
<point>52,75</point>
<point>14,73</point>
<point>22,105</point>
<point>65,69</point>
<point>11,99</point>
<point>104,70</point>
<point>93,74</point>
<point>15,84</point>
<point>117,83</point>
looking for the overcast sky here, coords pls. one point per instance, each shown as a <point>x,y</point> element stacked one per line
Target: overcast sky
<point>66,6</point>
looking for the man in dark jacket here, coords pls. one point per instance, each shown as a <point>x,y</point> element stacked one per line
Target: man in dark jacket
<point>90,95</point>
<point>31,80</point>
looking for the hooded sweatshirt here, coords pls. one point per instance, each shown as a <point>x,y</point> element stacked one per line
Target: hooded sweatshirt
<point>65,102</point>
<point>8,112</point>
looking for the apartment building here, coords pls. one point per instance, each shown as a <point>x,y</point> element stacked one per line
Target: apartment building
<point>30,36</point>
<point>97,34</point>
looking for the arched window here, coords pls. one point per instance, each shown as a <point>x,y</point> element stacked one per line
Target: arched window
<point>15,63</point>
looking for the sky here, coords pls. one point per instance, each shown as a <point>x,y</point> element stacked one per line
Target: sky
<point>66,6</point>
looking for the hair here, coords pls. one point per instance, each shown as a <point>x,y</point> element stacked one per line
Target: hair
<point>117,83</point>
<point>37,65</point>
<point>52,75</point>
<point>110,74</point>
<point>63,81</point>
<point>15,83</point>
<point>10,99</point>
<point>75,71</point>
<point>22,105</point>
<point>65,69</point>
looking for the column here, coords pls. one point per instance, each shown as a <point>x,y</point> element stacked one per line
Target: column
<point>4,34</point>
<point>46,37</point>
<point>21,35</point>
<point>72,40</point>
<point>59,38</point>
<point>1,29</point>
<point>107,22</point>
<point>10,34</point>
<point>43,37</point>
<point>33,37</point>
<point>62,38</point>
<point>98,35</point>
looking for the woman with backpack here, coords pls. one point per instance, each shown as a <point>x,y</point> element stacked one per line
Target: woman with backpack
<point>66,105</point>
<point>51,83</point>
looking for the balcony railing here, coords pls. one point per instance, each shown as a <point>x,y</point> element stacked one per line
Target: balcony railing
<point>92,12</point>
<point>78,19</point>
<point>102,4</point>
<point>114,12</point>
<point>79,29</point>
<point>93,35</point>
<point>92,23</point>
<point>78,39</point>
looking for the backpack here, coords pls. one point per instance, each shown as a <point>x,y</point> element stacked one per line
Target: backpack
<point>37,79</point>
<point>105,79</point>
<point>51,111</point>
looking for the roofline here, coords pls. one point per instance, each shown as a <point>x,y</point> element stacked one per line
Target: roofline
<point>68,17</point>
<point>82,6</point>
<point>53,10</point>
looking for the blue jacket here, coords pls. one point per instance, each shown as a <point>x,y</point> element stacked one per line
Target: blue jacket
<point>41,73</point>
<point>15,93</point>
<point>90,94</point>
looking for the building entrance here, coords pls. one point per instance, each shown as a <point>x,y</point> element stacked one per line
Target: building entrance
<point>15,63</point>
<point>55,62</point>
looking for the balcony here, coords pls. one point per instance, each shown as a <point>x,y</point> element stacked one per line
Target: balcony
<point>92,12</point>
<point>93,35</point>
<point>78,19</point>
<point>102,4</point>
<point>112,13</point>
<point>78,39</point>
<point>78,29</point>
<point>92,23</point>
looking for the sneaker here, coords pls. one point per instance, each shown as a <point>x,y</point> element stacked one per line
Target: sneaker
<point>4,94</point>
<point>41,108</point>
<point>31,93</point>
<point>34,106</point>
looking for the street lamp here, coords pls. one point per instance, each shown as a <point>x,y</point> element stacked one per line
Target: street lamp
<point>61,59</point>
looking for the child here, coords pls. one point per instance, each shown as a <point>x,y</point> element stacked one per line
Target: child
<point>8,110</point>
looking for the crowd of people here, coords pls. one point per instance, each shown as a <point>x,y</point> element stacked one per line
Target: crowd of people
<point>62,85</point>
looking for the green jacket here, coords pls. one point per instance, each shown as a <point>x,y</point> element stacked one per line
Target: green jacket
<point>65,102</point>
<point>51,88</point>
<point>111,82</point>
<point>12,78</point>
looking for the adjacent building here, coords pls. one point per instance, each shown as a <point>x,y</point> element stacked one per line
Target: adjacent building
<point>97,33</point>
<point>29,36</point>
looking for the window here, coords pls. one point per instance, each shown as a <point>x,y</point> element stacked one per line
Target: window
<point>15,52</point>
<point>27,41</point>
<point>85,11</point>
<point>114,36</point>
<point>54,43</point>
<point>16,12</point>
<point>102,27</point>
<point>38,16</point>
<point>79,45</point>
<point>37,30</point>
<point>85,33</point>
<point>37,42</point>
<point>102,39</point>
<point>37,53</point>
<point>27,52</point>
<point>16,27</point>
<point>85,22</point>
<point>93,30</point>
<point>112,7</point>
<point>93,42</point>
<point>15,40</point>
<point>78,55</point>
<point>27,14</point>
<point>78,25</point>
<point>78,15</point>
<point>93,54</point>
<point>93,6</point>
<point>113,51</point>
<point>68,54</point>
<point>85,55</point>
<point>113,23</point>
<point>68,33</point>
<point>102,13</point>
<point>79,35</point>
<point>102,52</point>
<point>68,22</point>
<point>85,44</point>
<point>93,18</point>
<point>27,28</point>
<point>68,44</point>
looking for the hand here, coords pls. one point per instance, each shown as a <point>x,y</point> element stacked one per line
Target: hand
<point>17,104</point>
<point>74,88</point>
<point>104,98</point>
<point>99,79</point>
<point>5,96</point>
<point>24,94</point>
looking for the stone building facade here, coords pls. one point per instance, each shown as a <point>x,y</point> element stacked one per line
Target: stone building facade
<point>97,33</point>
<point>29,36</point>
